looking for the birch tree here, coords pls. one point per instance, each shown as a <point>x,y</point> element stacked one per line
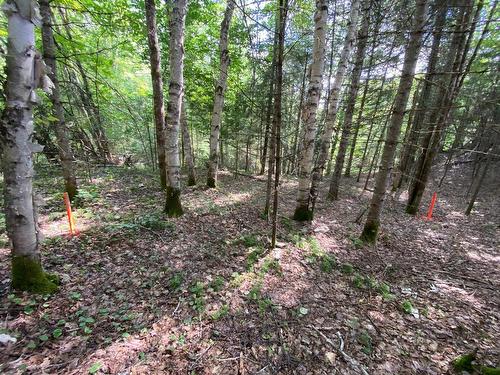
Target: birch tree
<point>156,79</point>
<point>25,71</point>
<point>351,102</point>
<point>219,96</point>
<point>370,230</point>
<point>333,101</point>
<point>173,207</point>
<point>309,112</point>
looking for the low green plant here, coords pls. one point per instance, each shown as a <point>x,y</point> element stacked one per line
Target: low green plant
<point>249,240</point>
<point>220,313</point>
<point>175,281</point>
<point>253,256</point>
<point>217,283</point>
<point>366,341</point>
<point>407,307</point>
<point>197,301</point>
<point>358,281</point>
<point>327,263</point>
<point>347,268</point>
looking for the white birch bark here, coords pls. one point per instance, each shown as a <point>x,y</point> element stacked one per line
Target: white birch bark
<point>310,110</point>
<point>219,96</point>
<point>333,102</point>
<point>173,207</point>
<point>24,68</point>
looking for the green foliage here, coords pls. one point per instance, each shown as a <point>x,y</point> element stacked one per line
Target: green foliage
<point>327,263</point>
<point>217,283</point>
<point>249,240</point>
<point>175,281</point>
<point>253,256</point>
<point>464,362</point>
<point>407,306</point>
<point>86,196</point>
<point>220,313</point>
<point>347,268</point>
<point>95,367</point>
<point>366,341</point>
<point>197,301</point>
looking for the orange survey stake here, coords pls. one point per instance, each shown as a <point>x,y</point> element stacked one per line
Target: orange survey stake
<point>71,221</point>
<point>431,207</point>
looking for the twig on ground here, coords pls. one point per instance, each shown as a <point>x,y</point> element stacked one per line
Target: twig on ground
<point>351,361</point>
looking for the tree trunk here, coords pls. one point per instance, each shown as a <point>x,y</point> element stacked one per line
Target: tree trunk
<point>219,95</point>
<point>333,102</point>
<point>61,130</point>
<point>283,9</point>
<point>438,119</point>
<point>351,102</point>
<point>309,113</point>
<point>156,79</point>
<point>173,207</point>
<point>16,137</point>
<point>411,145</point>
<point>370,230</point>
<point>188,149</point>
<point>357,126</point>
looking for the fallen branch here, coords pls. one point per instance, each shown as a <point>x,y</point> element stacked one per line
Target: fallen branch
<point>355,365</point>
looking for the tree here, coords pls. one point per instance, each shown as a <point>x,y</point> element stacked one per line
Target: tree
<point>309,112</point>
<point>333,191</point>
<point>371,228</point>
<point>156,78</point>
<point>173,207</point>
<point>283,9</point>
<point>188,149</point>
<point>333,102</point>
<point>219,96</point>
<point>62,133</point>
<point>25,72</point>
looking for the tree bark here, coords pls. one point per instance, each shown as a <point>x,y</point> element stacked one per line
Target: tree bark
<point>156,79</point>
<point>219,95</point>
<point>371,228</point>
<point>283,9</point>
<point>188,149</point>
<point>333,102</point>
<point>445,97</point>
<point>411,145</point>
<point>61,130</point>
<point>309,113</point>
<point>17,146</point>
<point>173,207</point>
<point>333,191</point>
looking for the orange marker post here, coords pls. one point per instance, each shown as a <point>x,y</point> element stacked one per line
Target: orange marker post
<point>71,222</point>
<point>431,207</point>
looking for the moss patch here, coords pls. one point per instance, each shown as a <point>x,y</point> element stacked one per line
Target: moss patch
<point>302,213</point>
<point>370,232</point>
<point>411,209</point>
<point>173,207</point>
<point>29,276</point>
<point>211,182</point>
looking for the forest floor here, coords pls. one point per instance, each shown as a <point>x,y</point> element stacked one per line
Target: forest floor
<point>202,294</point>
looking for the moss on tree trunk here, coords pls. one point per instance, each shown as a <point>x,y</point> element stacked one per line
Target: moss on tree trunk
<point>302,213</point>
<point>370,232</point>
<point>173,207</point>
<point>28,275</point>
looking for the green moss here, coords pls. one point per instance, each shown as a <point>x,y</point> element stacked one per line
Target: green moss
<point>464,362</point>
<point>29,276</point>
<point>370,232</point>
<point>302,213</point>
<point>411,209</point>
<point>211,182</point>
<point>489,370</point>
<point>173,207</point>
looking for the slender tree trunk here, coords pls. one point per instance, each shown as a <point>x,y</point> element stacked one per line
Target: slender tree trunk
<point>16,141</point>
<point>309,113</point>
<point>476,185</point>
<point>333,191</point>
<point>61,130</point>
<point>295,149</point>
<point>411,145</point>
<point>333,103</point>
<point>357,126</point>
<point>173,207</point>
<point>268,110</point>
<point>219,95</point>
<point>283,8</point>
<point>370,230</point>
<point>444,100</point>
<point>188,149</point>
<point>156,78</point>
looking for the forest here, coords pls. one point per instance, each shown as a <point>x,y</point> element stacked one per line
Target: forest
<point>250,187</point>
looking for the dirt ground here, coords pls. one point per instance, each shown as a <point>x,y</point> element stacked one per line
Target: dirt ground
<point>203,294</point>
